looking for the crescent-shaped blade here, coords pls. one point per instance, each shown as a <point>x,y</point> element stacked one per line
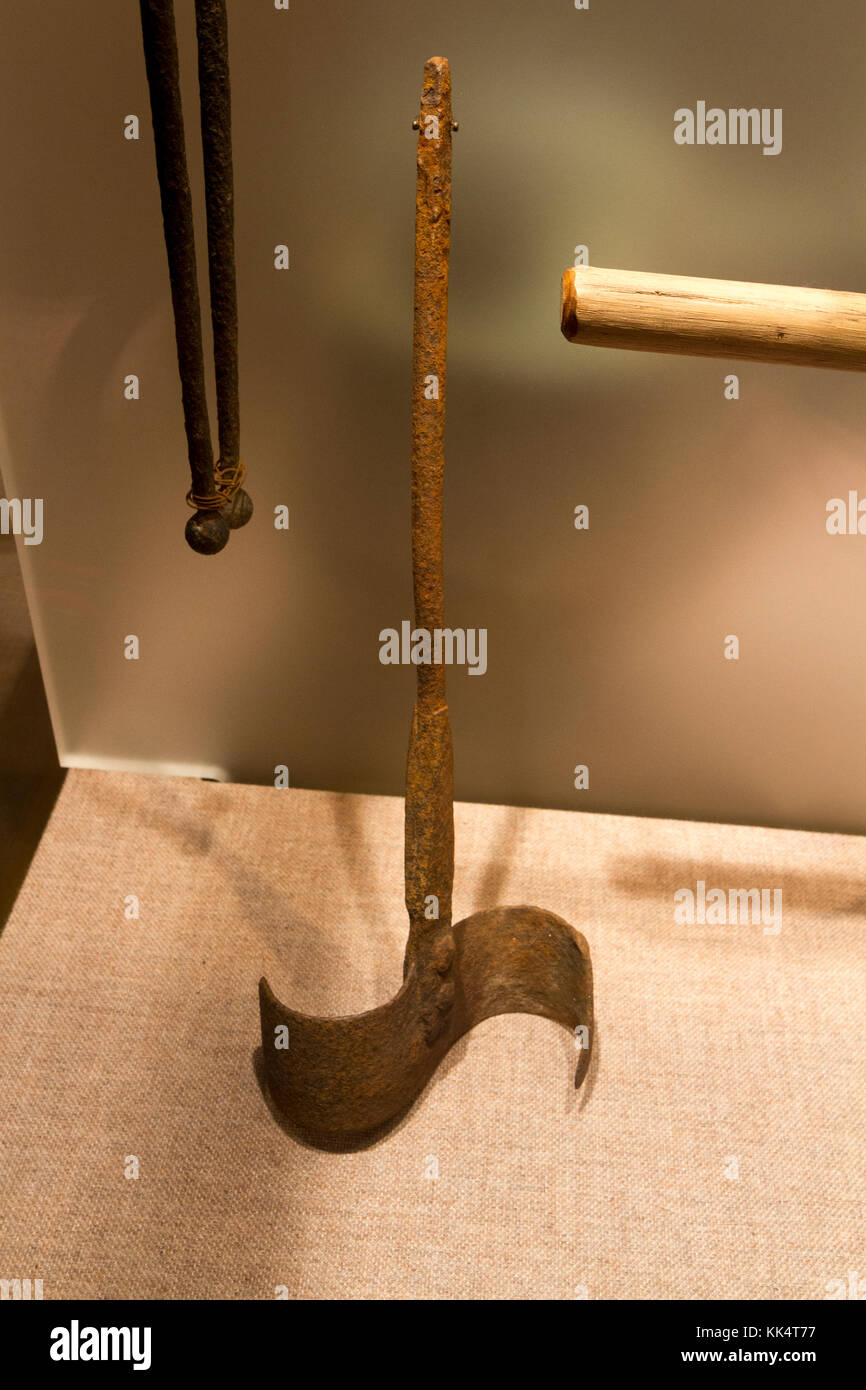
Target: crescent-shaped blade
<point>343,1077</point>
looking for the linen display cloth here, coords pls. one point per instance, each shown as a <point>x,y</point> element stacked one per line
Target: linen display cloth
<point>717,1148</point>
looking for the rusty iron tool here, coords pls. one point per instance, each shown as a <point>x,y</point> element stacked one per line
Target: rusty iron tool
<point>342,1077</point>
<point>221,504</point>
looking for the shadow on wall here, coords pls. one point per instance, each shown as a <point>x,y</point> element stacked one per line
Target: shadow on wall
<point>30,777</point>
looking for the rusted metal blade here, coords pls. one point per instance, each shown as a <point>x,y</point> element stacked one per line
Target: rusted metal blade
<point>346,1076</point>
<point>341,1077</point>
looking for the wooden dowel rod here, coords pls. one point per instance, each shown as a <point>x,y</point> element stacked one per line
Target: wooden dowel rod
<point>714,318</point>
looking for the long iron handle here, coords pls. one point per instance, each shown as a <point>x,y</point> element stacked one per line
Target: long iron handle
<point>221,505</point>
<point>429,848</point>
<point>216,134</point>
<point>160,53</point>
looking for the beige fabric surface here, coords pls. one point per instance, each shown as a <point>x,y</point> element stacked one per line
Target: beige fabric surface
<point>715,1043</point>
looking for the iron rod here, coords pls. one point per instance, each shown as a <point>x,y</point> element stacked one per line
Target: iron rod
<point>215,105</point>
<point>429,829</point>
<point>160,54</point>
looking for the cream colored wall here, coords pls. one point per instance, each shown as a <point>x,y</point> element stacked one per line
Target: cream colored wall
<point>707,515</point>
